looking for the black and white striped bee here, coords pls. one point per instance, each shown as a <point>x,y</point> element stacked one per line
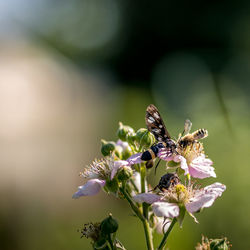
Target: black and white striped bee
<point>156,126</point>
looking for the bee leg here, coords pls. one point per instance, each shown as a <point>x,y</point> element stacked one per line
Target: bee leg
<point>150,164</point>
<point>157,165</point>
<point>154,188</point>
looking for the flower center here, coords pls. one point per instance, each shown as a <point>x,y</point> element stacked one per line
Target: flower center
<point>191,151</point>
<point>182,193</point>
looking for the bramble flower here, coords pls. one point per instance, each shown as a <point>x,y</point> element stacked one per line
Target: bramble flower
<point>192,160</point>
<point>100,172</point>
<point>192,199</point>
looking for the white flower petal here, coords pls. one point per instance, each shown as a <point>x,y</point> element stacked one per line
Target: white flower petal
<point>146,197</point>
<point>201,167</point>
<point>122,144</point>
<point>137,182</point>
<point>134,159</point>
<point>161,224</point>
<point>216,189</point>
<point>206,197</point>
<point>199,202</point>
<point>116,166</point>
<point>183,162</point>
<point>92,187</point>
<point>165,209</point>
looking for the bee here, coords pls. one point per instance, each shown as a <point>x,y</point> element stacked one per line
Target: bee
<point>157,127</point>
<point>167,180</point>
<point>190,139</point>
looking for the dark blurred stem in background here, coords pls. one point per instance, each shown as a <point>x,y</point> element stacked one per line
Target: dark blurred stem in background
<point>223,107</point>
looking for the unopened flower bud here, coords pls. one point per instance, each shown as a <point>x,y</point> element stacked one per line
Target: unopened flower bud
<point>130,138</point>
<point>123,131</point>
<point>125,173</point>
<point>109,225</point>
<point>107,147</point>
<point>144,138</point>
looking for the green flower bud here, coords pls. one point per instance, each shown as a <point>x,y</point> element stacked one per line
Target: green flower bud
<point>111,185</point>
<point>144,138</point>
<point>123,131</point>
<point>130,138</point>
<point>125,173</point>
<point>107,147</point>
<point>219,244</point>
<point>109,225</point>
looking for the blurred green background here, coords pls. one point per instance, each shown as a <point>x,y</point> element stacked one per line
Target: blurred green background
<point>71,70</point>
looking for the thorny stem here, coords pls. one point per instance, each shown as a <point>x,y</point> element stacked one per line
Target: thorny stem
<point>164,239</point>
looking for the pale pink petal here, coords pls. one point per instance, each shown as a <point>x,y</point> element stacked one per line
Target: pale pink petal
<point>122,144</point>
<point>137,182</point>
<point>146,197</point>
<point>165,154</point>
<point>183,163</point>
<point>116,166</point>
<point>134,159</point>
<point>92,187</point>
<point>161,224</point>
<point>201,168</point>
<point>216,189</point>
<point>165,209</point>
<point>206,197</point>
<point>197,203</point>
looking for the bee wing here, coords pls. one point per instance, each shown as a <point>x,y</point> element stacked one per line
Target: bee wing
<point>187,127</point>
<point>155,124</point>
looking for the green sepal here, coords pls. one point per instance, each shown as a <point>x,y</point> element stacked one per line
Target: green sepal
<point>181,216</point>
<point>124,173</point>
<point>219,244</point>
<point>111,185</point>
<point>101,244</point>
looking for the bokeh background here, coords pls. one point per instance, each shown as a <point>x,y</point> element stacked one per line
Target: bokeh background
<point>71,70</point>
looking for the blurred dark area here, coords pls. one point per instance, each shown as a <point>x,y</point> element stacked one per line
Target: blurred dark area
<point>71,70</point>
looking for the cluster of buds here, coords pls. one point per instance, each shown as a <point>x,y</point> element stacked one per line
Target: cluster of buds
<point>123,172</point>
<point>102,234</point>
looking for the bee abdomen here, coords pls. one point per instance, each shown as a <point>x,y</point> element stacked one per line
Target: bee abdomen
<point>167,180</point>
<point>200,134</point>
<point>148,155</point>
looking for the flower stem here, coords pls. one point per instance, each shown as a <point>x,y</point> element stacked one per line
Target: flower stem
<point>148,235</point>
<point>164,239</point>
<point>131,203</point>
<point>147,229</point>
